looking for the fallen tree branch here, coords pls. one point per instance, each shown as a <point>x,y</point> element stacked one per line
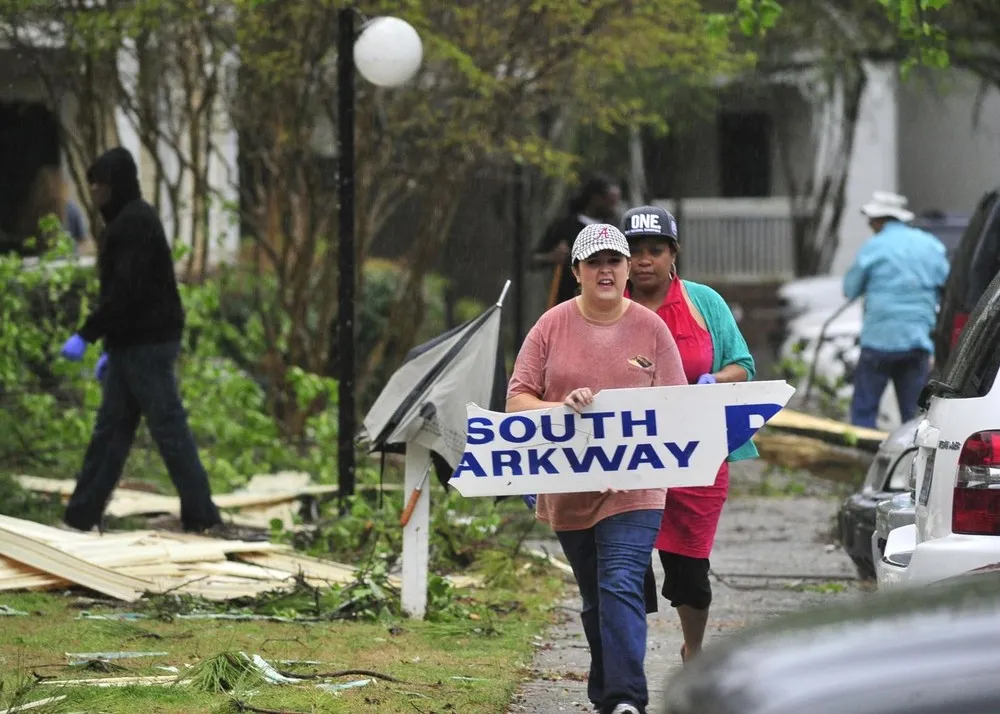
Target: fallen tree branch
<point>345,673</point>
<point>244,707</point>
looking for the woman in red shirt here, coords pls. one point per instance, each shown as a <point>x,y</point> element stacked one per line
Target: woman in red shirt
<point>712,350</point>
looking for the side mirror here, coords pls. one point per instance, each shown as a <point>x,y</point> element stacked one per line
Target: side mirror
<point>932,388</point>
<point>925,397</point>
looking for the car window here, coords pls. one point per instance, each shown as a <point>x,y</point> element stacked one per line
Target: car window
<point>900,477</point>
<point>983,266</point>
<point>957,289</point>
<point>973,364</point>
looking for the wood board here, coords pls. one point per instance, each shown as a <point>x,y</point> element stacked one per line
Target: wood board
<point>820,458</point>
<point>823,429</point>
<point>128,565</point>
<point>265,497</point>
<point>49,559</point>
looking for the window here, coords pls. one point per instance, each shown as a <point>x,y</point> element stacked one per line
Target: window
<point>744,154</point>
<point>29,145</point>
<point>975,360</point>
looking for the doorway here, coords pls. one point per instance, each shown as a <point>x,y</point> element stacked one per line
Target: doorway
<point>29,154</point>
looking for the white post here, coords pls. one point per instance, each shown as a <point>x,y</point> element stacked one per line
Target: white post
<point>416,533</point>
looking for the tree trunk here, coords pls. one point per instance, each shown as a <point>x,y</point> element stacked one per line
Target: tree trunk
<point>817,204</point>
<point>638,186</point>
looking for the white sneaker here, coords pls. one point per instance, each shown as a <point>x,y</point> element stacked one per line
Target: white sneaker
<point>625,708</point>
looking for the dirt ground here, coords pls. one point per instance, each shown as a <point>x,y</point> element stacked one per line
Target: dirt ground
<point>774,554</point>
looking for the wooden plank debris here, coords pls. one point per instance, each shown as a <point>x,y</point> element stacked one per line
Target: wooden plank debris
<point>823,429</point>
<point>127,565</point>
<point>265,497</point>
<point>38,703</point>
<point>828,461</point>
<point>154,680</point>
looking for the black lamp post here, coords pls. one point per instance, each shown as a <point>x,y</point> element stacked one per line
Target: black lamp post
<point>347,421</point>
<point>389,53</point>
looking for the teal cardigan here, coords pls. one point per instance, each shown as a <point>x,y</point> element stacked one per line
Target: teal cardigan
<point>727,343</point>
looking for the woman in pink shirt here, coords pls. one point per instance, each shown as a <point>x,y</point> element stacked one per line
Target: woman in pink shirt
<point>601,340</point>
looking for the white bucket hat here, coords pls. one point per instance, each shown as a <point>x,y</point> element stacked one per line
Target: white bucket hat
<point>597,237</point>
<point>885,204</point>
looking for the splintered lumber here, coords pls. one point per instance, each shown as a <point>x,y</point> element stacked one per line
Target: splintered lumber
<point>48,559</point>
<point>820,458</point>
<point>823,429</point>
<point>265,497</point>
<point>34,705</point>
<point>313,569</point>
<point>127,565</point>
<point>112,681</point>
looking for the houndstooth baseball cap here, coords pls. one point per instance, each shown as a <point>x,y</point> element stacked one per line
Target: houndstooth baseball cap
<point>597,237</point>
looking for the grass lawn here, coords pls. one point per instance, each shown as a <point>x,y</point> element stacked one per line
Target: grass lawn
<point>471,662</point>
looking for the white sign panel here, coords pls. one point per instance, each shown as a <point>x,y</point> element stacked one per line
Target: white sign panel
<point>654,437</point>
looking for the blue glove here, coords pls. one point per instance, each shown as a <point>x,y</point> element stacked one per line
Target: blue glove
<point>707,379</point>
<point>102,367</point>
<point>74,348</point>
<point>530,500</point>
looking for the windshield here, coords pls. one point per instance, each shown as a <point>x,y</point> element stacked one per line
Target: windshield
<point>973,364</point>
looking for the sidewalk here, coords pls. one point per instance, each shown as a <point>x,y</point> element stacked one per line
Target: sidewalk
<point>770,538</point>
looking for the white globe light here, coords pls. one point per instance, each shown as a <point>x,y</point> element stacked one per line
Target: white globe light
<point>388,52</point>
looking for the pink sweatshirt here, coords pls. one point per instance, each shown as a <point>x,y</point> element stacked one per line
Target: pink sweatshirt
<point>565,351</point>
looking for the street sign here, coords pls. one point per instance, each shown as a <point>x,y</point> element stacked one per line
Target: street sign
<point>653,437</point>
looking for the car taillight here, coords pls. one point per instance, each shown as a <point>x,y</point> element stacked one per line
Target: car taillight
<point>976,504</point>
<point>956,326</point>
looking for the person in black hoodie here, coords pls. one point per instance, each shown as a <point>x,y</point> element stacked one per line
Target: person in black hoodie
<point>140,317</point>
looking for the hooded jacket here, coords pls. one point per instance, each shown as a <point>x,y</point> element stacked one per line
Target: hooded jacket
<point>139,302</point>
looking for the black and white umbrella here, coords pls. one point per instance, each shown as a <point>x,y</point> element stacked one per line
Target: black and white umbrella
<point>425,400</point>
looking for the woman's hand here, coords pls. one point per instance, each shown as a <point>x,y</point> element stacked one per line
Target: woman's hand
<point>579,398</point>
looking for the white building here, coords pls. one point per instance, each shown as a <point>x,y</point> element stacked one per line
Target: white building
<point>934,137</point>
<point>27,147</point>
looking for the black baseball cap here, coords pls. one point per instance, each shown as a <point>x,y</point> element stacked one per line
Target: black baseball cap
<point>649,221</point>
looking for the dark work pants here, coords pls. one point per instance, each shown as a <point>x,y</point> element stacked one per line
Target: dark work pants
<point>140,382</point>
<point>907,370</point>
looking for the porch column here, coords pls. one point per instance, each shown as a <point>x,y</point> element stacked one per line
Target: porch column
<point>874,161</point>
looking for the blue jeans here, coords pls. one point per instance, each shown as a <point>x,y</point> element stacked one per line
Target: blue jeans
<point>907,370</point>
<point>609,562</point>
<point>140,381</point>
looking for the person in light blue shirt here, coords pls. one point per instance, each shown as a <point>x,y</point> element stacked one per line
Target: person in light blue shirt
<point>900,273</point>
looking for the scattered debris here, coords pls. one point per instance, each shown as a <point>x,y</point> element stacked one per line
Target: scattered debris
<point>337,688</point>
<point>347,673</point>
<point>128,565</point>
<point>8,611</point>
<point>244,707</point>
<point>34,705</point>
<point>85,656</point>
<point>551,560</point>
<point>98,665</point>
<point>225,672</point>
<point>113,681</point>
<point>264,498</point>
<point>270,673</point>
